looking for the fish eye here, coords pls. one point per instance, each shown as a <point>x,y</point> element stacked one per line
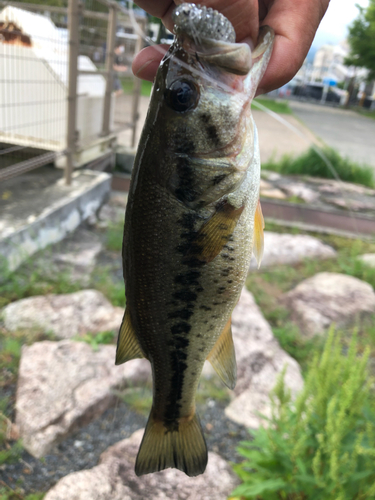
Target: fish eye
<point>182,95</point>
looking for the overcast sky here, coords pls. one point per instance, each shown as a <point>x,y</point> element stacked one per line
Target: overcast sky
<point>339,15</point>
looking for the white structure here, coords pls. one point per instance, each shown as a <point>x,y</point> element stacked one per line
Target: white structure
<point>33,86</point>
<point>329,64</point>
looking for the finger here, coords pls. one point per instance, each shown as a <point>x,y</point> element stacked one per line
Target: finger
<point>243,14</point>
<point>157,8</point>
<point>294,36</point>
<point>146,62</point>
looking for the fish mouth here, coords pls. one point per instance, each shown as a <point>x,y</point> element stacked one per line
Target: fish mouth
<point>199,22</point>
<point>211,37</point>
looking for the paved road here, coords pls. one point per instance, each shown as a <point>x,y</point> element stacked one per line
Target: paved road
<point>351,134</point>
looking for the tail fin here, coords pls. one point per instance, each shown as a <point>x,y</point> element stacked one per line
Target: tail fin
<point>183,448</point>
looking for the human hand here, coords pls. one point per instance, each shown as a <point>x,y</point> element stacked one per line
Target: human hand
<point>294,23</point>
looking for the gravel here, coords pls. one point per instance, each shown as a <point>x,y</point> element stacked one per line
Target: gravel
<point>83,449</point>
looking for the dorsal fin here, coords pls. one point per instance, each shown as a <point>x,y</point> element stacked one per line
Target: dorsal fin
<point>223,358</point>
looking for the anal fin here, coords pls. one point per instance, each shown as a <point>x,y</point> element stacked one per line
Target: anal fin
<point>223,358</point>
<point>127,343</point>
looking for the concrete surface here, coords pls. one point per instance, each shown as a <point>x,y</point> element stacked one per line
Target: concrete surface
<point>351,134</point>
<point>38,209</point>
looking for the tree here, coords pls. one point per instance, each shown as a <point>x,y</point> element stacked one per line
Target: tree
<point>362,40</point>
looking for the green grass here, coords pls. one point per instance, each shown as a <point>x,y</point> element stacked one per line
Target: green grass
<point>32,279</point>
<point>114,237</point>
<point>11,453</point>
<point>365,112</point>
<point>280,107</point>
<point>211,388</point>
<point>112,288</point>
<point>10,353</point>
<point>128,86</point>
<point>95,339</point>
<point>7,493</point>
<point>311,164</point>
<point>138,398</point>
<point>268,285</point>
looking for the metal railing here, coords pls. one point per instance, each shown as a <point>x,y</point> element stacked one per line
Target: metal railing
<point>59,100</point>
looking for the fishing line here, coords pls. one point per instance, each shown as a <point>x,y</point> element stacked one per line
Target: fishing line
<point>138,29</point>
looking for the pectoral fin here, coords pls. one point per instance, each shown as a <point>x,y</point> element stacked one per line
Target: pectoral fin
<point>223,358</point>
<point>127,343</point>
<point>258,235</point>
<point>215,233</point>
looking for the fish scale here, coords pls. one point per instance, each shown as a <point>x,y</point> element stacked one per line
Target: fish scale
<point>192,217</point>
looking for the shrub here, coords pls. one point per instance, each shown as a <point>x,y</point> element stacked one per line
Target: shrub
<point>322,446</point>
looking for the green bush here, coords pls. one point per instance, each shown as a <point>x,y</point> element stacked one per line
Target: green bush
<point>313,164</point>
<point>321,447</point>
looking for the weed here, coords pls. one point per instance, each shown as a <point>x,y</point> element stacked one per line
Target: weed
<point>112,288</point>
<point>211,388</point>
<point>138,398</point>
<point>95,339</point>
<point>310,163</point>
<point>115,236</point>
<point>10,351</point>
<point>321,446</point>
<point>11,453</point>
<point>32,279</point>
<point>7,493</point>
<point>299,347</point>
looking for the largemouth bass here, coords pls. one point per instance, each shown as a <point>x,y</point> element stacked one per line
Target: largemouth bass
<point>191,221</point>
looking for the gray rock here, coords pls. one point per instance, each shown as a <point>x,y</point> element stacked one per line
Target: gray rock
<point>77,255</point>
<point>273,193</point>
<point>260,360</point>
<point>114,479</point>
<point>64,385</point>
<point>368,259</point>
<point>291,249</point>
<point>65,315</point>
<point>111,214</point>
<point>329,298</point>
<point>302,191</point>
